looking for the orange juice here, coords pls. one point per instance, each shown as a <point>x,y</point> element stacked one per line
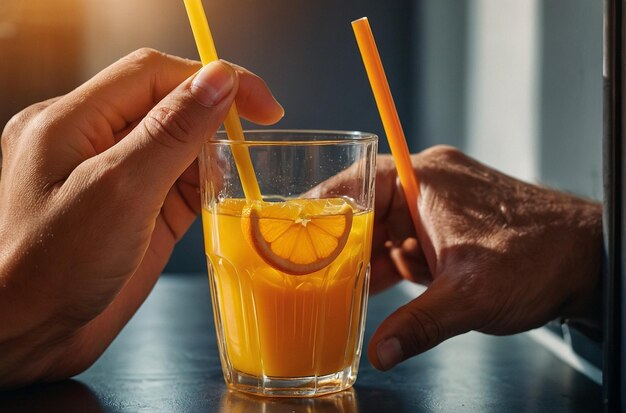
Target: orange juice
<point>271,323</point>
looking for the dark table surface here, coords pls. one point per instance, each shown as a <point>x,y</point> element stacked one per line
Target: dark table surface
<point>166,360</point>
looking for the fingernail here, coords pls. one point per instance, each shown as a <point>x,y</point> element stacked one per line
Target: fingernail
<point>213,83</point>
<point>389,352</point>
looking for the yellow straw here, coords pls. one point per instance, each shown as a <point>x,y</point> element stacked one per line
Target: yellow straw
<point>206,49</point>
<point>388,113</point>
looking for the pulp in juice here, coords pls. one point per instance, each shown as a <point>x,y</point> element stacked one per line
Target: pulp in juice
<point>275,324</point>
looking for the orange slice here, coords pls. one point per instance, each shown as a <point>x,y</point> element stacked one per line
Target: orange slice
<point>299,236</point>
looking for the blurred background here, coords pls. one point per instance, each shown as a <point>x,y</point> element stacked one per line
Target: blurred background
<point>516,84</point>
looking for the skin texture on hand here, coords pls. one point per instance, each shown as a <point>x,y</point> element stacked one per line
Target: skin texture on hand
<point>506,256</point>
<point>96,188</point>
<point>98,185</point>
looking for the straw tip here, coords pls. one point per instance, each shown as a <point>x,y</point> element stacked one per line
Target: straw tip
<point>362,19</point>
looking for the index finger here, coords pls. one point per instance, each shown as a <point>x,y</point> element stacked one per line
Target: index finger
<point>127,90</point>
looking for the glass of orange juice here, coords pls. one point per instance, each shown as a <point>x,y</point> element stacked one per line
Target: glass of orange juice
<point>289,273</point>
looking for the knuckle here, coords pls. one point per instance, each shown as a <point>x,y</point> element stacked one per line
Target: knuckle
<point>168,126</point>
<point>444,153</point>
<point>16,123</point>
<point>246,96</point>
<point>35,114</point>
<point>424,330</point>
<point>13,128</point>
<point>22,119</point>
<point>145,56</point>
<point>437,164</point>
<point>7,135</point>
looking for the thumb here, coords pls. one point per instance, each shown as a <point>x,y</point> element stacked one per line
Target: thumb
<point>169,138</point>
<point>431,318</point>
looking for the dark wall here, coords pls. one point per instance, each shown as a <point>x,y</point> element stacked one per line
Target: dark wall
<point>307,53</point>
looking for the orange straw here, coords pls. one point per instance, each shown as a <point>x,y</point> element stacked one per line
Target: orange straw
<point>388,113</point>
<point>232,123</point>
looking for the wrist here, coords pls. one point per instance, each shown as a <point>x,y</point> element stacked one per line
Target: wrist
<point>21,307</point>
<point>28,332</point>
<point>584,306</point>
<point>589,319</point>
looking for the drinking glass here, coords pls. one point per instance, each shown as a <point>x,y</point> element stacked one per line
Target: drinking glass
<point>289,274</point>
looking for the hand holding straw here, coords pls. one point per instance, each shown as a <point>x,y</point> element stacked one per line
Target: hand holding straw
<point>388,113</point>
<point>232,123</point>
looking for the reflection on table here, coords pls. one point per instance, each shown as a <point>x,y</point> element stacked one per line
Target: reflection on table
<point>237,402</point>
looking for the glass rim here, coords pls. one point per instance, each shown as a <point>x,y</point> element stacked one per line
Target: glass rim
<point>336,137</point>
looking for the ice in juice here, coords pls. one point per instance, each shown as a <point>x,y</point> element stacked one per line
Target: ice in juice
<point>276,324</point>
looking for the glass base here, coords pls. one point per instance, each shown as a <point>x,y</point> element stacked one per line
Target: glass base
<point>308,386</point>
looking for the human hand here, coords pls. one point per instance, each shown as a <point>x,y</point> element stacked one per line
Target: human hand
<point>96,188</point>
<point>499,255</point>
